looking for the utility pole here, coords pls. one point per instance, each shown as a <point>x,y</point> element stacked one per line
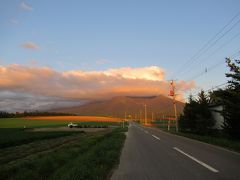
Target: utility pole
<point>168,127</point>
<point>125,118</point>
<point>140,117</point>
<point>145,108</point>
<point>173,94</point>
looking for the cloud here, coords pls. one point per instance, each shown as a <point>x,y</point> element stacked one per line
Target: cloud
<point>152,73</point>
<point>15,101</point>
<point>30,45</point>
<point>90,85</point>
<point>26,6</point>
<point>14,21</point>
<point>102,61</point>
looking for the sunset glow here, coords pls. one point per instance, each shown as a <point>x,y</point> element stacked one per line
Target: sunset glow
<point>87,84</point>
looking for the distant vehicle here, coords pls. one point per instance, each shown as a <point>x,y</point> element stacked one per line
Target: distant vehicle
<point>71,125</point>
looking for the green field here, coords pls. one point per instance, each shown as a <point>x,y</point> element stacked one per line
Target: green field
<point>21,123</point>
<point>79,156</point>
<point>58,155</point>
<point>14,136</point>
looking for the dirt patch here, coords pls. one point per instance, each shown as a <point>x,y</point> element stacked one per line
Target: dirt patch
<point>67,129</point>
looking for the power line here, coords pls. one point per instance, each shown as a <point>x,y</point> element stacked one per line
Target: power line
<point>214,42</point>
<point>210,55</point>
<point>215,87</point>
<point>214,66</point>
<point>235,54</point>
<point>210,42</point>
<point>219,32</point>
<point>216,50</point>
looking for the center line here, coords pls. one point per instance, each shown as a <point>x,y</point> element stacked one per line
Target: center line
<point>156,137</point>
<point>198,161</point>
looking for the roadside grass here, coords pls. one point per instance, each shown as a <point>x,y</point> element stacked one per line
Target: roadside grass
<point>218,140</point>
<point>92,156</point>
<point>227,143</point>
<point>98,162</point>
<point>27,123</point>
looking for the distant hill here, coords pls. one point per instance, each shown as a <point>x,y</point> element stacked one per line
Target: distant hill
<point>117,106</point>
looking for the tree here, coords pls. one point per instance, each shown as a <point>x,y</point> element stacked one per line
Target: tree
<point>187,119</point>
<point>205,121</point>
<point>230,99</point>
<point>197,117</point>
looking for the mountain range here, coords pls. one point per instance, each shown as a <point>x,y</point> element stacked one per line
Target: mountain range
<point>156,106</point>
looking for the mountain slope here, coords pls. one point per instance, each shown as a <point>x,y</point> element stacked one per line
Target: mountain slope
<point>117,106</point>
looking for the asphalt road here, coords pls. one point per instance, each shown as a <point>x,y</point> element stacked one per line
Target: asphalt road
<point>152,154</point>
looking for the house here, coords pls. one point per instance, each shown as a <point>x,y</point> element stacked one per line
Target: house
<point>216,113</point>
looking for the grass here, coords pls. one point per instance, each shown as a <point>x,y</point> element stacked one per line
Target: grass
<point>88,156</point>
<point>227,143</point>
<point>13,136</point>
<point>58,155</point>
<point>33,123</point>
<point>221,141</point>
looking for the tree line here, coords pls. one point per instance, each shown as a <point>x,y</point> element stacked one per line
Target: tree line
<point>197,116</point>
<point>4,114</point>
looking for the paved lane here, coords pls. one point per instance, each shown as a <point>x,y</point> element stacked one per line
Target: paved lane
<point>151,154</point>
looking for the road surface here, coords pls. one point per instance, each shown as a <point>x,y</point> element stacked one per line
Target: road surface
<point>151,154</point>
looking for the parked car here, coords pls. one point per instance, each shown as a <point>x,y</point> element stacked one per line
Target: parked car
<point>71,125</point>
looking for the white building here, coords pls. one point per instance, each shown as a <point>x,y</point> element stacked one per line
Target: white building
<point>219,119</point>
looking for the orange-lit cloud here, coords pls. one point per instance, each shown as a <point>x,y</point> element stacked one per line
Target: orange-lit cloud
<point>86,85</point>
<point>30,45</point>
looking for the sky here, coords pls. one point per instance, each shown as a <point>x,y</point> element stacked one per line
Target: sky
<point>61,53</point>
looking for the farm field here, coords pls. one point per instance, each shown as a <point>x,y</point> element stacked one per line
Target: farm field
<point>77,118</point>
<point>56,121</point>
<point>77,156</point>
<point>26,154</point>
<point>17,136</point>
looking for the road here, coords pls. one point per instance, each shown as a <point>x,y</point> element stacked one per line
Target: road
<point>151,154</point>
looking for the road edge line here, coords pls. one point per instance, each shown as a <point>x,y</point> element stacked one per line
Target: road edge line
<point>195,140</point>
<point>156,137</point>
<point>196,160</point>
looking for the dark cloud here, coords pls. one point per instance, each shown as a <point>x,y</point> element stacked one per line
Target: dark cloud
<point>13,101</point>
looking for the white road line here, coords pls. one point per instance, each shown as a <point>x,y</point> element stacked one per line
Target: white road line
<point>198,161</point>
<point>155,137</point>
<point>146,132</point>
